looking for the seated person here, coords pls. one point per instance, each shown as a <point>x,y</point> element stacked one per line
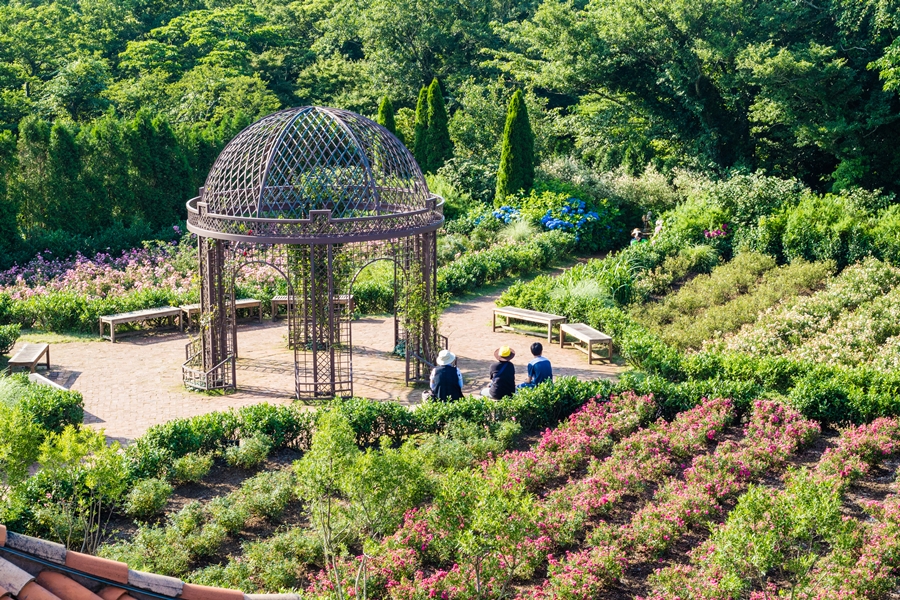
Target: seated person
<point>503,375</point>
<point>539,369</point>
<point>446,378</point>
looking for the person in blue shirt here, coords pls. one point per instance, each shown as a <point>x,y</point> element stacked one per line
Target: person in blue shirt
<point>539,369</point>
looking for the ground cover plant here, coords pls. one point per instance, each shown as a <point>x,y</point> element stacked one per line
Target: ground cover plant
<point>607,502</point>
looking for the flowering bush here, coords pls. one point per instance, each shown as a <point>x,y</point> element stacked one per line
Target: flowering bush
<point>506,214</point>
<point>573,215</point>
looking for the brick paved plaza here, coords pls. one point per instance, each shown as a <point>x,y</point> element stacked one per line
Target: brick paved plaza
<point>136,382</point>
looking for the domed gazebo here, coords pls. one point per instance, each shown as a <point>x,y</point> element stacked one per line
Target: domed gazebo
<point>318,194</point>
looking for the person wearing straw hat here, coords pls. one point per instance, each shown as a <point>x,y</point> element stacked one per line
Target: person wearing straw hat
<point>446,378</point>
<point>503,374</point>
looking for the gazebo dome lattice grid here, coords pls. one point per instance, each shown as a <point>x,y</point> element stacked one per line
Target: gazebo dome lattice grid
<point>317,194</point>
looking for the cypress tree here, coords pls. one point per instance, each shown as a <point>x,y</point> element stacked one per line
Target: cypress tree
<point>438,147</point>
<point>9,232</point>
<point>421,129</point>
<point>517,155</point>
<point>386,117</point>
<point>28,188</point>
<point>68,203</point>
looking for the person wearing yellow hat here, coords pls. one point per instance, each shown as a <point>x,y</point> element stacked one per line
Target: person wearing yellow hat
<point>503,374</point>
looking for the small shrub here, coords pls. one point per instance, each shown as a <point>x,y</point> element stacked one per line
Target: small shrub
<point>51,408</point>
<point>147,498</point>
<point>8,336</point>
<point>191,468</point>
<point>267,494</point>
<point>250,453</point>
<point>231,512</point>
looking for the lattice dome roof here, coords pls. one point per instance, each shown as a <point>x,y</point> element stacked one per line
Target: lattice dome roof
<point>314,175</point>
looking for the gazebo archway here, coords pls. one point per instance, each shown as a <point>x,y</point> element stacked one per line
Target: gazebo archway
<point>320,192</point>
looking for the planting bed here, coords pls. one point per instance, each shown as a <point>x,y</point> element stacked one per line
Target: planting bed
<point>611,503</point>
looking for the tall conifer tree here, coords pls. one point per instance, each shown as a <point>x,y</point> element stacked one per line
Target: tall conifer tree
<point>386,117</point>
<point>68,203</point>
<point>9,231</point>
<point>438,147</point>
<point>421,129</point>
<point>517,155</point>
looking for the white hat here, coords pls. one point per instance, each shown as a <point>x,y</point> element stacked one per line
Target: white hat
<point>445,357</point>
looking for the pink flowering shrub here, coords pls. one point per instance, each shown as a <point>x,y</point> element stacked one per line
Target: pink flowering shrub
<point>791,530</point>
<point>588,433</point>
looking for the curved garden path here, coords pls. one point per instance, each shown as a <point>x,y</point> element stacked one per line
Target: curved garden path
<point>136,382</point>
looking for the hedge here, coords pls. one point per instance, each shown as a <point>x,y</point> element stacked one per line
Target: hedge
<point>292,427</point>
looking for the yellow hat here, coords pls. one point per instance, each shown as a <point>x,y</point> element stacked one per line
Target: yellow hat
<point>504,353</point>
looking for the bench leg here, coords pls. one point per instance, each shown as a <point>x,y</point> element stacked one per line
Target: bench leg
<point>590,346</point>
<point>112,333</point>
<point>549,334</point>
<point>494,323</point>
<point>48,359</point>
<point>562,339</point>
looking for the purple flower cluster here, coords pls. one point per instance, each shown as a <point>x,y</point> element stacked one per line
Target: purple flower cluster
<point>716,233</point>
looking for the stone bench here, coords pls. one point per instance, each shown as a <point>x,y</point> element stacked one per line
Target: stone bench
<point>341,300</point>
<point>531,316</point>
<point>190,310</point>
<point>29,356</point>
<point>138,316</point>
<point>588,336</point>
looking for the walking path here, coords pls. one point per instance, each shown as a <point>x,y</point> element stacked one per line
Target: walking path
<point>136,382</point>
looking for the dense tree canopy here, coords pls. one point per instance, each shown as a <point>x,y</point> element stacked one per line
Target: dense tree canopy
<point>805,90</point>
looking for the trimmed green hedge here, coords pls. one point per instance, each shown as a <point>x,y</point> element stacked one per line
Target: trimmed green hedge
<point>292,427</point>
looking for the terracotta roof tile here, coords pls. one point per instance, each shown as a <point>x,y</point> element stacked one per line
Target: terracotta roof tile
<point>111,593</point>
<point>63,587</point>
<point>12,578</point>
<point>33,591</point>
<point>160,584</point>
<point>2,535</point>
<point>101,567</point>
<point>202,592</point>
<point>51,551</point>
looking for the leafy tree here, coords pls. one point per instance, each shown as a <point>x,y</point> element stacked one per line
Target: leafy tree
<point>20,441</point>
<point>438,147</point>
<point>517,156</point>
<point>421,129</point>
<point>386,117</point>
<point>9,230</point>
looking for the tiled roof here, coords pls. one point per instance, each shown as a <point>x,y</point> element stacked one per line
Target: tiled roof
<point>35,569</point>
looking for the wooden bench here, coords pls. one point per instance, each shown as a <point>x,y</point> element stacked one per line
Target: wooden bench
<point>589,336</point>
<point>190,310</point>
<point>29,356</point>
<point>532,316</point>
<point>139,316</point>
<point>342,300</point>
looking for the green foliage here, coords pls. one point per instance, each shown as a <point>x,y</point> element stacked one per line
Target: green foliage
<point>267,495</point>
<point>420,129</point>
<point>517,157</point>
<point>20,441</point>
<point>479,268</point>
<point>8,336</point>
<point>147,498</point>
<point>87,478</point>
<point>886,234</point>
<point>191,468</point>
<point>386,117</point>
<point>249,453</point>
<point>437,146</point>
<point>827,228</point>
<point>50,408</point>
